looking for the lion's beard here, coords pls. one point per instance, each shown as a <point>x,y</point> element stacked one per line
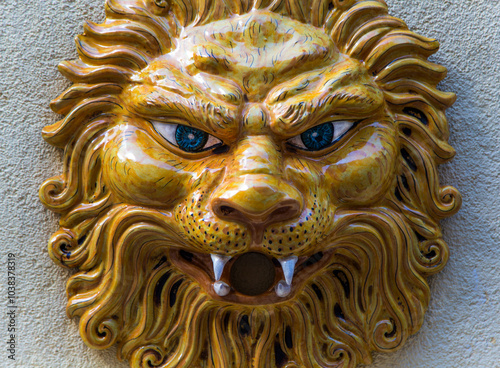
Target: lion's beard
<point>371,296</point>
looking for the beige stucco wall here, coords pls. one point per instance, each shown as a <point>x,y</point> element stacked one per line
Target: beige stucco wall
<point>462,326</point>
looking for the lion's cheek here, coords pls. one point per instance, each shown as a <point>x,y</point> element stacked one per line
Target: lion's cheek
<point>137,176</point>
<point>363,176</point>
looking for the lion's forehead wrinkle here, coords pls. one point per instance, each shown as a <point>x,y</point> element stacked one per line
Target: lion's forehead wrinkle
<point>168,75</point>
<point>324,80</point>
<point>245,50</point>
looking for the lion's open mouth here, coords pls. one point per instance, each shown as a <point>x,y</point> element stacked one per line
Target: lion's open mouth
<point>251,277</point>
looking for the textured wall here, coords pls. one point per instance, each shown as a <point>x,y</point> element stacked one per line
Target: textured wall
<point>462,327</point>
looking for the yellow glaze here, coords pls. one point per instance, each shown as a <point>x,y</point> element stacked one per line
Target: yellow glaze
<point>143,216</point>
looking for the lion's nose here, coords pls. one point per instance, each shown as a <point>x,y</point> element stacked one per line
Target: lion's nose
<point>257,200</point>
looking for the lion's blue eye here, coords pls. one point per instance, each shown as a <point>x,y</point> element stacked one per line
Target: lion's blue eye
<point>321,136</point>
<point>190,139</point>
<point>186,138</point>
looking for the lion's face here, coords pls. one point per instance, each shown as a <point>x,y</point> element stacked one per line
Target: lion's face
<point>250,188</point>
<point>252,156</point>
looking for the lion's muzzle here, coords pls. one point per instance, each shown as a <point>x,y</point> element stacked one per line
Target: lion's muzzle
<point>257,201</point>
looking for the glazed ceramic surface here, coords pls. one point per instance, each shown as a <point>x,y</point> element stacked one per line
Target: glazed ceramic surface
<point>250,184</point>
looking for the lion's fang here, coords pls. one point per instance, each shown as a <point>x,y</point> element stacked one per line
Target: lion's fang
<point>284,287</point>
<point>219,262</point>
<point>288,266</point>
<point>221,288</point>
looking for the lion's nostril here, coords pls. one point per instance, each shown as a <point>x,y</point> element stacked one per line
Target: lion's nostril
<point>256,201</point>
<point>281,211</point>
<point>284,211</point>
<point>226,210</point>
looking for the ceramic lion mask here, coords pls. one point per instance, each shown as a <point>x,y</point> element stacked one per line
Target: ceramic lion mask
<point>250,184</point>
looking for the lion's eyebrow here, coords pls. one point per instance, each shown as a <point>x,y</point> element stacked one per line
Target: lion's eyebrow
<point>303,103</point>
<point>208,115</point>
<point>345,103</point>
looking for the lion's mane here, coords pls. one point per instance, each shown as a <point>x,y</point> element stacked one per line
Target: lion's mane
<point>126,291</point>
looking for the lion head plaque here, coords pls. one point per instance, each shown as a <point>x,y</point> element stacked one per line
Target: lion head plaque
<point>250,183</point>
